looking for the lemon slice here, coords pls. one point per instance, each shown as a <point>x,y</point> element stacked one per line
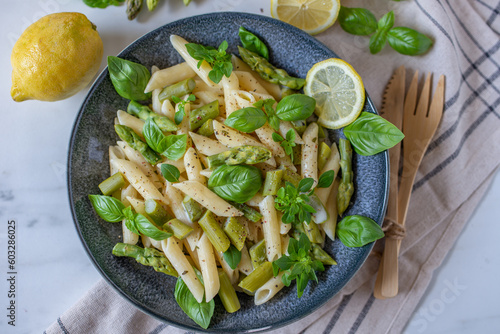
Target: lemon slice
<point>338,91</point>
<point>312,16</point>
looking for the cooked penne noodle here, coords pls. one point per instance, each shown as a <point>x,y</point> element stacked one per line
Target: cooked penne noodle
<point>309,161</point>
<point>273,89</point>
<point>206,172</point>
<point>175,198</point>
<point>333,163</point>
<point>245,265</point>
<point>136,124</point>
<point>207,198</point>
<point>271,229</point>
<point>168,76</point>
<point>232,274</point>
<point>174,254</point>
<point>284,228</point>
<point>269,289</point>
<point>248,82</point>
<point>192,254</point>
<point>156,103</point>
<point>208,267</point>
<point>286,162</point>
<point>207,146</point>
<point>265,135</point>
<point>285,239</point>
<point>146,242</point>
<point>287,126</point>
<point>193,166</point>
<point>139,160</point>
<point>255,201</point>
<point>129,237</point>
<point>115,152</point>
<point>331,223</point>
<point>167,109</point>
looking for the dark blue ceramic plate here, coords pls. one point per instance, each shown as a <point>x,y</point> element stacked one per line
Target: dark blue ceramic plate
<point>152,292</point>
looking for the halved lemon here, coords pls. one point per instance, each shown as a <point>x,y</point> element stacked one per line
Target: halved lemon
<point>312,16</point>
<point>338,91</point>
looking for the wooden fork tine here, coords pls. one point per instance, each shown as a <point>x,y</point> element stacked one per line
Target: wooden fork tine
<point>437,103</point>
<point>423,102</point>
<point>411,96</point>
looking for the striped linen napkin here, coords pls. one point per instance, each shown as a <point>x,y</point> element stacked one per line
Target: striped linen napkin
<point>455,172</point>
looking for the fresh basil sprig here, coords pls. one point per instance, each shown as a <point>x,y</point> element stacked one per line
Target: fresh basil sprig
<point>172,146</point>
<point>179,115</point>
<point>357,231</point>
<point>360,21</point>
<point>295,202</point>
<point>370,134</point>
<point>237,183</point>
<point>107,207</point>
<point>288,144</point>
<point>217,58</point>
<point>201,313</point>
<point>170,172</point>
<point>294,107</point>
<point>112,210</point>
<point>253,43</point>
<point>129,78</point>
<point>298,265</point>
<point>102,3</point>
<point>232,257</point>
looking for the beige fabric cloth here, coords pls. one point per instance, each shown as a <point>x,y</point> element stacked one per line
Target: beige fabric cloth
<point>454,174</point>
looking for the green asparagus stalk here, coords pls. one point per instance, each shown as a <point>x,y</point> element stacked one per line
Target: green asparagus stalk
<point>324,153</point>
<point>214,232</point>
<point>112,184</point>
<point>300,126</point>
<point>133,8</point>
<point>272,182</point>
<point>258,253</point>
<point>143,112</point>
<point>258,277</point>
<point>313,233</point>
<point>179,89</point>
<point>156,212</point>
<point>207,129</point>
<point>227,293</point>
<point>236,232</point>
<point>321,132</point>
<point>291,176</point>
<point>245,154</point>
<point>298,229</point>
<point>297,154</point>
<point>248,212</point>
<point>285,91</point>
<point>128,135</point>
<point>319,254</point>
<point>346,186</point>
<point>202,114</point>
<point>146,256</point>
<point>177,228</point>
<point>193,209</point>
<point>152,4</point>
<point>268,72</point>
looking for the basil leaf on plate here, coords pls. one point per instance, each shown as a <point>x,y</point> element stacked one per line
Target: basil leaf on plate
<point>247,119</point>
<point>326,179</point>
<point>175,146</point>
<point>130,220</point>
<point>357,231</point>
<point>107,207</point>
<point>408,41</point>
<point>295,107</point>
<point>371,134</point>
<point>129,78</point>
<point>306,184</point>
<point>232,256</point>
<point>237,183</point>
<point>357,21</point>
<point>253,43</point>
<point>201,313</point>
<point>153,135</point>
<point>170,172</point>
<point>147,228</point>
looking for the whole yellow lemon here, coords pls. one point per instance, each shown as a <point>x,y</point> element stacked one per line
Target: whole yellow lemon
<point>55,57</point>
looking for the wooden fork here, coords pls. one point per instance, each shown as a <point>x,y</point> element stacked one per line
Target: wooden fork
<point>419,126</point>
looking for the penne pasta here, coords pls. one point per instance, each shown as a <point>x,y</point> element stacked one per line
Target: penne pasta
<point>330,224</point>
<point>309,161</point>
<point>169,76</point>
<point>208,267</point>
<point>270,227</point>
<point>207,146</point>
<point>268,290</point>
<point>232,274</point>
<point>192,165</point>
<point>132,122</point>
<point>333,163</point>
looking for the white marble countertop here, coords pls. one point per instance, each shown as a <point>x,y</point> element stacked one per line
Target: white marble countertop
<point>53,270</point>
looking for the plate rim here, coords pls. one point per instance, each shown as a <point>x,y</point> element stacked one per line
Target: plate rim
<point>102,76</point>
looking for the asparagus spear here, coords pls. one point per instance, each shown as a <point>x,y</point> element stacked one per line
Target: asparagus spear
<point>319,254</point>
<point>152,4</point>
<point>245,154</point>
<point>133,139</point>
<point>146,256</point>
<point>346,186</point>
<point>133,8</point>
<point>324,153</point>
<point>193,209</point>
<point>112,184</point>
<point>268,72</point>
<point>248,212</point>
<point>179,89</point>
<point>202,114</point>
<point>143,112</point>
<point>273,182</point>
<point>207,129</point>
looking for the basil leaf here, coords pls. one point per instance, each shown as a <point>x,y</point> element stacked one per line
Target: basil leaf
<point>232,257</point>
<point>357,231</point>
<point>129,220</point>
<point>153,135</point>
<point>326,179</point>
<point>129,78</point>
<point>147,228</point>
<point>247,119</point>
<point>290,136</point>
<point>306,184</point>
<point>253,43</point>
<point>370,134</point>
<point>274,122</point>
<point>170,172</point>
<point>304,243</point>
<point>377,41</point>
<point>237,183</point>
<point>102,3</point>
<point>108,208</point>
<point>357,21</point>
<point>175,146</point>
<point>276,137</point>
<point>179,116</point>
<point>201,313</point>
<point>386,22</point>
<point>295,107</point>
<point>408,41</point>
